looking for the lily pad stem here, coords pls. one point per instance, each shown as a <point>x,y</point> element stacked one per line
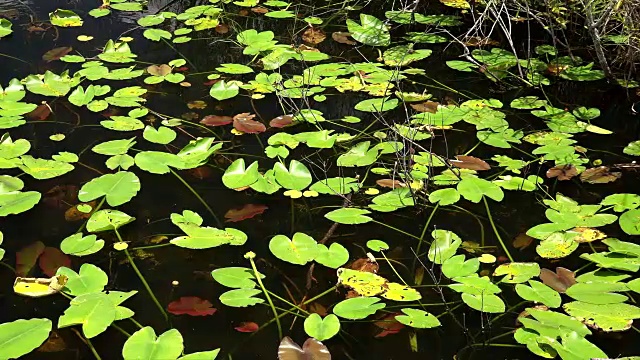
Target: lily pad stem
<point>495,230</point>
<point>250,255</point>
<point>424,232</point>
<point>197,196</point>
<point>395,229</point>
<point>142,279</point>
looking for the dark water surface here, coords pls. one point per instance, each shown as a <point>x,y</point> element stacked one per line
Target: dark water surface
<point>162,195</point>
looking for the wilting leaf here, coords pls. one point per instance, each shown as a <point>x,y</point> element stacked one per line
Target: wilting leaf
<point>599,175</point>
<point>522,241</point>
<point>216,120</point>
<point>40,113</point>
<point>559,281</point>
<point>343,38</point>
<point>51,260</point>
<point>56,53</point>
<point>313,36</point>
<point>470,162</point>
<point>389,325</point>
<point>191,305</point>
<point>27,256</point>
<point>562,172</point>
<point>247,327</point>
<point>246,212</point>
<point>281,121</point>
<point>244,122</point>
<point>311,349</point>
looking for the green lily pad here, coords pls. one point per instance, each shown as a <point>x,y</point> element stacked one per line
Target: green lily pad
<point>163,135</point>
<point>237,175</point>
<point>473,189</point>
<point>445,244</point>
<point>601,293</point>
<point>223,90</point>
<point>322,329</point>
<point>333,256</point>
<point>5,29</point>
<point>612,317</point>
<point>143,344</point>
<point>241,297</point>
<point>359,155</point>
<point>299,250</point>
<point>15,202</point>
<point>557,246</point>
<point>297,177</point>
<point>457,266</point>
<point>44,169</point>
<point>517,272</point>
<point>349,216</point>
<point>79,245</point>
<point>336,186</point>
<point>630,222</point>
<point>540,293</point>
<point>118,188</point>
<point>633,148</point>
<point>22,336</point>
<point>418,319</point>
<point>235,277</point>
<point>370,31</point>
<point>377,105</point>
<point>444,197</point>
<point>488,303</point>
<point>105,220</point>
<point>65,18</point>
<point>358,308</point>
<point>90,279</point>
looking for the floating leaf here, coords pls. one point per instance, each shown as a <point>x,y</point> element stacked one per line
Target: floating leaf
<point>349,216</point>
<point>223,90</point>
<point>191,305</point>
<point>299,250</point>
<point>322,329</point>
<point>630,222</point>
<point>370,31</point>
<point>311,349</point>
<point>612,317</point>
<point>377,105</point>
<point>65,18</point>
<point>419,319</point>
<point>297,177</point>
<point>540,293</point>
<point>143,344</point>
<point>241,297</point>
<point>247,327</point>
<point>106,220</point>
<point>118,188</point>
<point>22,336</point>
<point>235,277</point>
<point>237,176</point>
<point>358,308</point>
<point>473,189</point>
<point>90,279</point>
<point>334,256</point>
<point>444,245</point>
<point>248,211</point>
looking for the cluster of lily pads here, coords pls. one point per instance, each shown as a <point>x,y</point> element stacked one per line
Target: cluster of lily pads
<point>428,179</point>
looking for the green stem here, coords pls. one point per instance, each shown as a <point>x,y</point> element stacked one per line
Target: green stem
<point>424,232</point>
<point>250,255</point>
<point>495,230</point>
<point>294,306</point>
<point>92,211</point>
<point>136,323</point>
<point>144,281</point>
<point>395,229</point>
<point>93,350</point>
<point>121,330</point>
<point>8,267</point>
<point>151,246</point>
<point>197,196</point>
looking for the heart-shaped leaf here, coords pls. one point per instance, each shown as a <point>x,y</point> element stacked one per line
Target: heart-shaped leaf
<point>322,329</point>
<point>299,250</point>
<point>118,188</point>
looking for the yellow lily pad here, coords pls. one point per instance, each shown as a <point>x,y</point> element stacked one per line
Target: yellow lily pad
<point>39,287</point>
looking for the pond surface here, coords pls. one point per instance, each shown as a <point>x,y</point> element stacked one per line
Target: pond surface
<point>490,221</point>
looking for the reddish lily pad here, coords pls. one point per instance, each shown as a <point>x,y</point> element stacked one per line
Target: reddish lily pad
<point>191,305</point>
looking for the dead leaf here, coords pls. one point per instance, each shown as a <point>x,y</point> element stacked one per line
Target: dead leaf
<point>26,258</point>
<point>73,214</point>
<point>216,120</point>
<point>56,53</point>
<point>318,308</point>
<point>312,349</point>
<point>599,175</point>
<point>60,195</point>
<point>259,10</point>
<point>585,234</point>
<point>342,37</point>
<point>522,241</point>
<point>244,122</point>
<point>313,36</point>
<point>390,183</point>
<point>389,325</point>
<point>246,212</point>
<point>562,172</point>
<point>470,162</point>
<point>191,305</point>
<point>159,70</point>
<point>281,121</point>
<point>54,343</point>
<point>556,69</point>
<point>427,106</point>
<point>201,172</point>
<point>51,259</point>
<point>247,327</point>
<point>40,113</point>
<point>559,281</point>
<point>365,264</point>
<point>222,29</point>
<point>190,116</point>
<point>196,104</point>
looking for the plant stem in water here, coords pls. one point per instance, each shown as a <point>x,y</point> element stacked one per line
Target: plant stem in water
<point>250,255</point>
<point>495,230</point>
<point>197,196</point>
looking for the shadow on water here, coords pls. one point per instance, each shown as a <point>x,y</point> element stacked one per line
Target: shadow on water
<point>163,195</point>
